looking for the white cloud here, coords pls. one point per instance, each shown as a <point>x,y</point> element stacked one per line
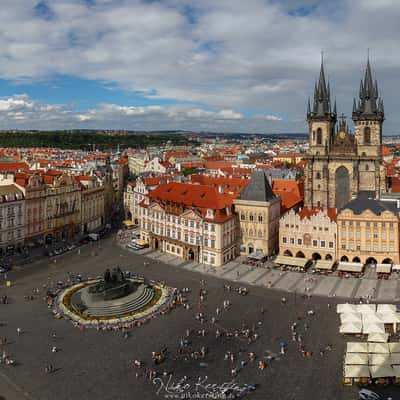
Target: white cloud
<point>227,54</point>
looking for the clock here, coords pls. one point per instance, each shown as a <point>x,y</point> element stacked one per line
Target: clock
<point>342,134</point>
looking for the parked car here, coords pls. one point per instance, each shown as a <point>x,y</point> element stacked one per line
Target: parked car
<point>365,394</point>
<point>93,237</point>
<point>83,241</point>
<point>132,246</point>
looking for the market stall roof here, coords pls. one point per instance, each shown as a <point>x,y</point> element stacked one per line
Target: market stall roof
<point>371,318</point>
<point>346,308</point>
<point>378,337</point>
<point>357,347</point>
<point>373,328</point>
<point>384,308</point>
<point>381,348</point>
<point>383,268</point>
<point>366,308</point>
<point>395,358</point>
<point>394,347</point>
<point>396,267</point>
<point>292,261</point>
<point>396,370</point>
<point>381,371</point>
<point>326,265</point>
<point>389,317</point>
<point>350,317</point>
<point>350,267</point>
<point>351,327</point>
<point>356,371</point>
<point>259,255</point>
<point>379,359</point>
<point>356,359</point>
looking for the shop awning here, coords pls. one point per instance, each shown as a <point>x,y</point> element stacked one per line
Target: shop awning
<point>381,371</point>
<point>128,223</point>
<point>325,265</point>
<point>356,371</point>
<point>396,267</point>
<point>356,359</point>
<point>350,267</point>
<point>291,261</point>
<point>383,268</point>
<point>357,347</point>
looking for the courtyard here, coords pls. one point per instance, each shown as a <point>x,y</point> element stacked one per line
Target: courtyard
<point>91,364</point>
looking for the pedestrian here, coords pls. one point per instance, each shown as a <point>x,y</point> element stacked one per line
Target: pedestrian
<point>18,331</point>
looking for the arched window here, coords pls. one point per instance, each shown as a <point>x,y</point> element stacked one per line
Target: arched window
<point>319,136</point>
<point>242,217</point>
<point>367,167</point>
<point>260,234</point>
<point>251,218</point>
<point>367,135</point>
<point>250,232</point>
<point>260,218</point>
<point>318,176</point>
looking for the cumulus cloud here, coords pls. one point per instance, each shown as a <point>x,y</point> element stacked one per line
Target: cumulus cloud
<point>256,55</point>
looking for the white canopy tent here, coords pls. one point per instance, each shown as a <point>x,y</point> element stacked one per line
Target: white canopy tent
<point>395,358</point>
<point>350,267</point>
<point>326,265</point>
<point>373,328</point>
<point>381,371</point>
<point>356,371</point>
<point>386,308</point>
<point>357,347</point>
<point>354,327</point>
<point>291,261</point>
<point>356,359</point>
<point>380,348</point>
<point>350,317</point>
<point>346,308</point>
<point>383,268</point>
<point>378,359</point>
<point>394,347</point>
<point>366,308</point>
<point>378,337</point>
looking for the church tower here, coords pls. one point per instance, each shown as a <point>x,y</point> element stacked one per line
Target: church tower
<point>321,118</point>
<point>368,116</point>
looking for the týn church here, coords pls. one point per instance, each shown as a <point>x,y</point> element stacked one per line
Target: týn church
<point>348,213</point>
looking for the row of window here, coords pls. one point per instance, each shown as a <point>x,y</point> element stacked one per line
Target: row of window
<point>367,224</point>
<point>367,247</point>
<point>292,226</point>
<point>252,218</point>
<point>369,235</point>
<point>315,243</point>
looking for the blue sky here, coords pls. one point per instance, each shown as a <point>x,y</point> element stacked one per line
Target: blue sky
<point>223,65</point>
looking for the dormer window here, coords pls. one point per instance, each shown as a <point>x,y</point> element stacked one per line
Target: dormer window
<point>210,213</point>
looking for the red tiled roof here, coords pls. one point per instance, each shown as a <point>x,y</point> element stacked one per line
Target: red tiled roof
<point>307,212</point>
<point>13,166</point>
<point>386,151</point>
<point>231,186</point>
<point>289,191</point>
<point>395,184</point>
<point>196,197</point>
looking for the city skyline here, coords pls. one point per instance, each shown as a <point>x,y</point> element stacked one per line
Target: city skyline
<point>148,65</point>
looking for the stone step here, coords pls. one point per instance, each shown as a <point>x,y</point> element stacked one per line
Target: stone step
<point>123,308</point>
